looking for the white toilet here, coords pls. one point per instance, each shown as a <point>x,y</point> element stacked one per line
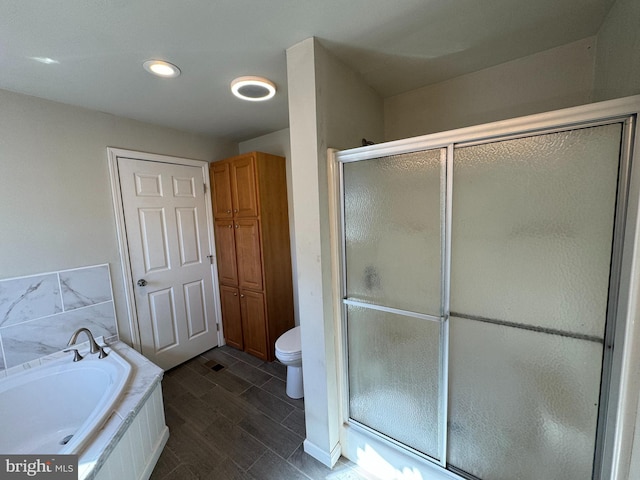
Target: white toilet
<point>289,352</point>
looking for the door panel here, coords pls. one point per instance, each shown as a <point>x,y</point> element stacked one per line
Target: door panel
<point>394,368</point>
<point>166,225</point>
<point>154,242</point>
<point>522,404</point>
<point>231,316</point>
<point>195,307</point>
<point>188,235</point>
<point>254,323</point>
<point>532,235</point>
<point>393,231</point>
<point>221,185</point>
<point>245,197</point>
<point>162,314</point>
<point>395,204</point>
<point>247,233</point>
<point>226,252</point>
<point>533,219</point>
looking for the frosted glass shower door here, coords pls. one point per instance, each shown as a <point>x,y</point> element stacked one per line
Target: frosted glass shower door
<point>393,224</point>
<point>532,233</point>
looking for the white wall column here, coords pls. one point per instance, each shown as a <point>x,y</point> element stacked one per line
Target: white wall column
<point>329,106</point>
<point>317,344</point>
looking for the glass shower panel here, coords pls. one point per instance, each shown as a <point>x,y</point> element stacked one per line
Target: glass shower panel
<point>523,404</point>
<point>394,365</point>
<point>532,229</point>
<point>392,217</point>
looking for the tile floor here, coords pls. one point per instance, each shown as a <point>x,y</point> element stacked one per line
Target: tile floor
<point>237,423</point>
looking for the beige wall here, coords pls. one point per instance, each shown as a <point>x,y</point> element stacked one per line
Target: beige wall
<point>617,72</point>
<point>550,80</point>
<point>56,211</point>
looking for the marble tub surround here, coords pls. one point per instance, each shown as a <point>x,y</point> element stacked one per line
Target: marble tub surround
<point>26,298</point>
<point>39,313</point>
<point>85,286</point>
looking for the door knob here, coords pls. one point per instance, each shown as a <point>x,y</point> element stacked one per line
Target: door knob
<point>142,282</point>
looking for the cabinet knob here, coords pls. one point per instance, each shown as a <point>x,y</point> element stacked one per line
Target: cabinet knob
<point>228,211</point>
<point>241,296</point>
<point>230,226</point>
<point>235,294</point>
<point>237,225</point>
<point>235,210</point>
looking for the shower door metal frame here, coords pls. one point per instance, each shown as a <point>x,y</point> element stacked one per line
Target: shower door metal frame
<point>617,390</point>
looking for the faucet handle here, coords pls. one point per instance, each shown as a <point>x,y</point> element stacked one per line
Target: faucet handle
<point>76,355</point>
<point>102,352</point>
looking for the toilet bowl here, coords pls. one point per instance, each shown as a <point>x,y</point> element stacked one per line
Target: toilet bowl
<point>289,352</point>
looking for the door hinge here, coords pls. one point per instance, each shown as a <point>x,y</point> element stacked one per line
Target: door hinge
<point>204,187</point>
<point>217,327</point>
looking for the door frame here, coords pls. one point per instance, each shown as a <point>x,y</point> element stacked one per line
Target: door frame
<point>113,155</point>
<point>623,415</point>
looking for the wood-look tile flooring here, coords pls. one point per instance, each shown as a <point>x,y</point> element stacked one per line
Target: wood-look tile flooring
<point>237,423</point>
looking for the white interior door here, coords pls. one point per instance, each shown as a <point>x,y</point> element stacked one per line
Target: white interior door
<point>167,229</point>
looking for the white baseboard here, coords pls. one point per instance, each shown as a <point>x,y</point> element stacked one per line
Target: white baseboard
<point>327,458</point>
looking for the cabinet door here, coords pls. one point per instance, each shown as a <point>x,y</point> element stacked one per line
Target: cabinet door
<point>231,316</point>
<point>248,253</point>
<point>254,324</point>
<point>243,181</point>
<point>226,252</point>
<point>221,185</point>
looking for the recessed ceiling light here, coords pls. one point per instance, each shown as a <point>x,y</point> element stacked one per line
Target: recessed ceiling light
<point>161,68</point>
<point>254,89</point>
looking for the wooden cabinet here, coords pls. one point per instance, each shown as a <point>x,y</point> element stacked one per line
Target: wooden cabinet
<point>253,251</point>
<point>231,316</point>
<point>248,253</point>
<point>254,323</point>
<point>243,187</point>
<point>226,252</point>
<point>220,173</point>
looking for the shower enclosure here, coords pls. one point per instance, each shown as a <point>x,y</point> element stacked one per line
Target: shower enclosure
<point>480,276</point>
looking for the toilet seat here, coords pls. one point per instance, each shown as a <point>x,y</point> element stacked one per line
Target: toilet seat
<point>288,357</point>
<point>289,352</point>
<point>289,344</point>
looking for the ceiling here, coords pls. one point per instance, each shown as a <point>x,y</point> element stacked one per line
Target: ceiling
<point>96,49</point>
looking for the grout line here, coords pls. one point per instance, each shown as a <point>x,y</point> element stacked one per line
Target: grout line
<point>180,462</point>
<point>256,460</point>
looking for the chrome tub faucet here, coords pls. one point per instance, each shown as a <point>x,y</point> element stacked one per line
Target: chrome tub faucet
<point>93,345</point>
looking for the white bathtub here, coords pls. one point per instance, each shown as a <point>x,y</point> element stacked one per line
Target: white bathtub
<point>56,408</point>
